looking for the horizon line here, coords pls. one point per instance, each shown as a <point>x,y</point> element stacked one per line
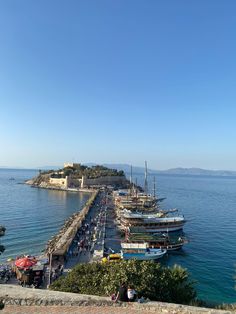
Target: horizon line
<point>150,169</point>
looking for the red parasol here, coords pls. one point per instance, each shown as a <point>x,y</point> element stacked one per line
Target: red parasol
<point>25,262</point>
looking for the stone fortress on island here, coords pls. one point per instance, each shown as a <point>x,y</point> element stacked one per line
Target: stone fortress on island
<point>78,176</point>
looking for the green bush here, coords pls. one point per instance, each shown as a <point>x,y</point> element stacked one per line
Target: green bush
<point>150,279</point>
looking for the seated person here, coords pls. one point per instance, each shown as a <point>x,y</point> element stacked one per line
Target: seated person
<point>122,293</point>
<point>131,293</point>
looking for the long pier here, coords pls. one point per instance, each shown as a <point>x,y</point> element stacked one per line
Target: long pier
<point>59,245</point>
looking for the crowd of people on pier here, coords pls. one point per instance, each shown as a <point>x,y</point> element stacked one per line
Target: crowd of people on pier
<point>57,272</point>
<point>84,238</point>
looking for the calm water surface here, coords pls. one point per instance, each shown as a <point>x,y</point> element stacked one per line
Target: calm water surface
<point>209,205</point>
<point>32,216</point>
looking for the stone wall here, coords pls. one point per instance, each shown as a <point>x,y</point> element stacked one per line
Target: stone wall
<point>16,295</point>
<point>60,182</point>
<point>107,180</point>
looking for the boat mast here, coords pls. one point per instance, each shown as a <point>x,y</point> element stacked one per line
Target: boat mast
<point>146,183</point>
<point>154,187</point>
<point>131,179</point>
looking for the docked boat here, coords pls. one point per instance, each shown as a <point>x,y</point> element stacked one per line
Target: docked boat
<point>136,202</point>
<point>140,251</point>
<point>157,241</point>
<point>151,222</point>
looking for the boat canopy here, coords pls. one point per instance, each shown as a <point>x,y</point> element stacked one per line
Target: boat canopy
<point>129,215</point>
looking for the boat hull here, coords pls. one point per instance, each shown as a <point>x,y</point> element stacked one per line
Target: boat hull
<point>145,256</point>
<point>163,229</point>
<point>154,228</point>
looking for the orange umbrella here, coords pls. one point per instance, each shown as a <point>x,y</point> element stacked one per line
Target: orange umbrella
<point>25,262</point>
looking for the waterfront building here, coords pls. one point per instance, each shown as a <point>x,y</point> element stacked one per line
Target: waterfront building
<point>60,182</point>
<point>71,165</point>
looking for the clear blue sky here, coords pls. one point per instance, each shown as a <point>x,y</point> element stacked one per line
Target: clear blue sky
<point>118,81</point>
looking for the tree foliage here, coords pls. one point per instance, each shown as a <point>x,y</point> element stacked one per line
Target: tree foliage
<point>150,279</point>
<point>90,172</point>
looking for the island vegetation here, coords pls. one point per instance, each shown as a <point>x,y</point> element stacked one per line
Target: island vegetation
<point>92,172</point>
<point>80,170</point>
<point>150,279</point>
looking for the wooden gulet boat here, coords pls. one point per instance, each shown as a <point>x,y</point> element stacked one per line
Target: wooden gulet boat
<point>159,241</point>
<point>151,223</point>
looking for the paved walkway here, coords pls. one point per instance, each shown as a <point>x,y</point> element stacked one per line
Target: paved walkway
<point>85,255</point>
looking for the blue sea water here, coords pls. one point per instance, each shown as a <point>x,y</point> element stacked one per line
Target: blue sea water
<point>209,205</point>
<point>32,216</point>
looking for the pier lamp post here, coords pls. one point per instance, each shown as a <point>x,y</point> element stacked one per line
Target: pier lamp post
<point>50,267</point>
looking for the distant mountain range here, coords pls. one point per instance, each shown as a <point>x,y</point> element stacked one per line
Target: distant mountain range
<point>140,170</point>
<point>198,172</point>
<point>173,171</point>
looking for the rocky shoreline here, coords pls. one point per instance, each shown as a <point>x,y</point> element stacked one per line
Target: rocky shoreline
<point>46,185</point>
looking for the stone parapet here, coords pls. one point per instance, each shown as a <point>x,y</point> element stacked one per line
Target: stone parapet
<point>15,295</point>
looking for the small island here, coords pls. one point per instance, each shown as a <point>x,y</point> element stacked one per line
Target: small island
<point>78,177</point>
